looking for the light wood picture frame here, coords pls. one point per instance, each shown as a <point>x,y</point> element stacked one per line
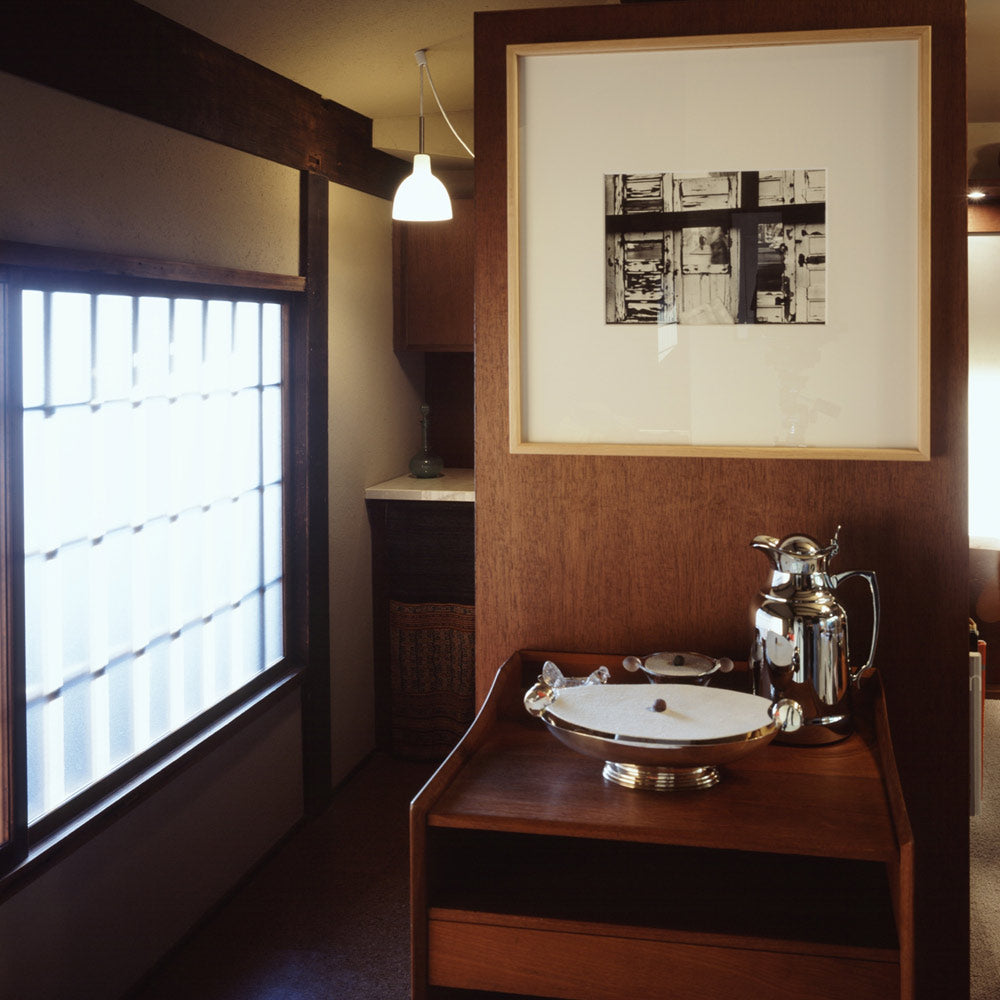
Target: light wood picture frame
<point>836,370</point>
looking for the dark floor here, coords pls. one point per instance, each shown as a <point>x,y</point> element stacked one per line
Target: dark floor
<point>325,917</point>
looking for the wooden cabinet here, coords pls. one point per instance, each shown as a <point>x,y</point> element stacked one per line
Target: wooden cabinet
<point>423,602</point>
<point>432,283</point>
<point>532,876</point>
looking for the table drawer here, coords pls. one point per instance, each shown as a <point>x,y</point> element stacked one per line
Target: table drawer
<point>511,958</point>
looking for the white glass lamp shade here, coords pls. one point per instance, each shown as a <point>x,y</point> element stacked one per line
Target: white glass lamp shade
<point>421,197</point>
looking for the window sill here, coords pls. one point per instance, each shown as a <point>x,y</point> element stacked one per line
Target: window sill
<point>105,812</point>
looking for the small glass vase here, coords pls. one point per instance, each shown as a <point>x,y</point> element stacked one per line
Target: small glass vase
<point>424,465</point>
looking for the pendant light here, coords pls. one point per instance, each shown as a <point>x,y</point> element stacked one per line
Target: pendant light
<point>422,197</point>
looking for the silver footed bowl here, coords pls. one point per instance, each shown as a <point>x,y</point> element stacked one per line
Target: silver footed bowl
<point>677,740</point>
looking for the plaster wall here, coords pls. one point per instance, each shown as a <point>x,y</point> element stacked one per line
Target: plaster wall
<point>84,177</point>
<point>984,398</point>
<point>92,925</point>
<point>374,430</point>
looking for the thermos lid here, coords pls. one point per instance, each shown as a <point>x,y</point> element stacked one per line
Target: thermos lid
<point>796,553</point>
<point>801,545</point>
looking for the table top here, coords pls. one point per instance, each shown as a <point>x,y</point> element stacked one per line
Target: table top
<point>824,801</point>
<point>454,484</point>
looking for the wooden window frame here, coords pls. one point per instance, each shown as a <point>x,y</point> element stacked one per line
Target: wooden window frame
<point>26,850</point>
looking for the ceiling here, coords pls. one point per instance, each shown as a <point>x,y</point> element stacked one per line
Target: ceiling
<point>360,53</point>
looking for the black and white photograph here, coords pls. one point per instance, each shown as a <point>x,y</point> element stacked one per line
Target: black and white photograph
<point>716,248</point>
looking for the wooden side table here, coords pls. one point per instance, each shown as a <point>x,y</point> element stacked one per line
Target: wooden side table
<point>533,876</point>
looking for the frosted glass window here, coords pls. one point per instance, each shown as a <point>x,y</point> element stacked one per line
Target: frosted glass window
<point>271,329</point>
<point>187,466</point>
<point>245,457</point>
<point>271,435</point>
<point>113,348</point>
<point>67,356</point>
<point>69,450</point>
<point>273,638</point>
<point>187,347</point>
<point>117,546</point>
<point>37,516</point>
<point>116,480</point>
<point>152,520</point>
<point>271,533</point>
<point>152,348</point>
<point>218,345</point>
<point>33,348</point>
<point>245,370</point>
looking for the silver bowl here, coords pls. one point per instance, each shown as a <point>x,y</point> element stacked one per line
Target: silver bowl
<point>678,668</point>
<point>675,742</point>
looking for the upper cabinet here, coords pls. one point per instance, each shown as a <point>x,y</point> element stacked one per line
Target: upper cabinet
<point>432,282</point>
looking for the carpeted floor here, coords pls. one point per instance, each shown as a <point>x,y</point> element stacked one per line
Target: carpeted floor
<point>326,917</point>
<point>984,846</point>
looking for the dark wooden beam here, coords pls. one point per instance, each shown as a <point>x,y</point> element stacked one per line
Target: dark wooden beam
<point>307,534</point>
<point>86,261</point>
<point>125,56</point>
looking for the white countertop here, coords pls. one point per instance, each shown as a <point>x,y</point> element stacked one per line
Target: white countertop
<point>455,484</point>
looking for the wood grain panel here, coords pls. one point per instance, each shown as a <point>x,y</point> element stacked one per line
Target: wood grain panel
<point>86,261</point>
<point>541,786</point>
<point>449,389</point>
<point>590,967</point>
<point>761,940</point>
<point>432,290</point>
<point>642,553</point>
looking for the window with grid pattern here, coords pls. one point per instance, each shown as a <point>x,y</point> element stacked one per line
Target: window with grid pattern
<point>152,461</point>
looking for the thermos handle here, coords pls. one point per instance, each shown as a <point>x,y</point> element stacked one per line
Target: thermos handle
<point>867,575</point>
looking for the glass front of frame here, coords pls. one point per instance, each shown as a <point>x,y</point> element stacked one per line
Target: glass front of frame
<point>719,245</point>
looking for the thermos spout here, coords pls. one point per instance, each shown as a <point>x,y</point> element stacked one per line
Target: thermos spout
<point>768,544</point>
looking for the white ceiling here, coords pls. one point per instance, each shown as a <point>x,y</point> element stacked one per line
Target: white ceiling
<point>360,53</point>
<point>356,52</point>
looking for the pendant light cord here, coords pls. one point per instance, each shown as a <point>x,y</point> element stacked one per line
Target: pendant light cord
<point>421,136</point>
<point>421,55</point>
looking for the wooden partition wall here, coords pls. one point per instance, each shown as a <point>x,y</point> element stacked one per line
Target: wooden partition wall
<point>633,554</point>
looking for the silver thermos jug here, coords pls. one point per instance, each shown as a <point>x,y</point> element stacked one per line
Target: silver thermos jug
<point>800,646</point>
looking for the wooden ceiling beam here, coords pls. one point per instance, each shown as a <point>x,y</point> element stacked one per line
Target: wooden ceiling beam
<point>125,56</point>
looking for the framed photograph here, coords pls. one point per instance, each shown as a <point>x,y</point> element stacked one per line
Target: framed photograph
<point>719,245</point>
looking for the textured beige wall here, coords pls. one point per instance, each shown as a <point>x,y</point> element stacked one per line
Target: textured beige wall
<point>78,175</point>
<point>374,431</point>
<point>92,925</point>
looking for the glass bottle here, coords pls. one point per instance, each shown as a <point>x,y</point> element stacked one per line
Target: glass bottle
<point>424,465</point>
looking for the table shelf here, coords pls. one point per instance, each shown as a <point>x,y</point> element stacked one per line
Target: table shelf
<point>796,865</point>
